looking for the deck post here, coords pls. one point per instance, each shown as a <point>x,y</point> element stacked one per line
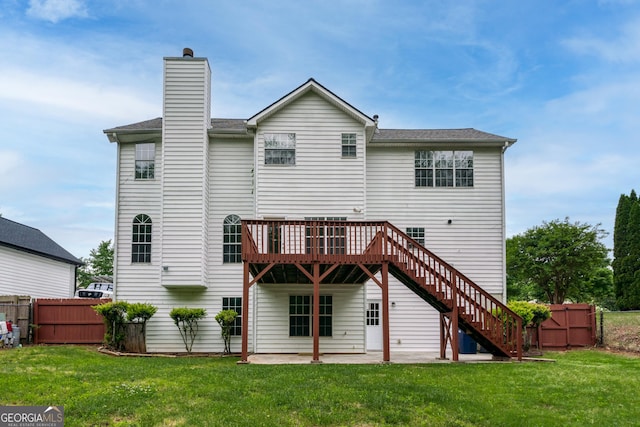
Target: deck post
<point>386,357</point>
<point>454,317</point>
<point>245,312</point>
<point>316,313</point>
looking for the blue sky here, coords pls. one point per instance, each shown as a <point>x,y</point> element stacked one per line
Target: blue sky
<point>563,77</point>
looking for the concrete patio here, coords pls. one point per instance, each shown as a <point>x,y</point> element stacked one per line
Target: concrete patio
<point>371,357</point>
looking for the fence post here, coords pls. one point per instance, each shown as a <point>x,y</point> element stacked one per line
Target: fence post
<point>601,327</point>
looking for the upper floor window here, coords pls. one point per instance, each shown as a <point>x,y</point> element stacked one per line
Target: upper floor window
<point>279,148</point>
<point>141,239</point>
<point>348,145</point>
<point>145,160</point>
<point>232,243</point>
<point>444,168</point>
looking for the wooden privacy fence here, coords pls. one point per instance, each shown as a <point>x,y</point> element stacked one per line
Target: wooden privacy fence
<point>67,321</point>
<point>17,309</point>
<point>570,325</point>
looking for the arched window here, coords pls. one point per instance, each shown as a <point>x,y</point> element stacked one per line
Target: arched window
<point>232,244</point>
<point>141,239</point>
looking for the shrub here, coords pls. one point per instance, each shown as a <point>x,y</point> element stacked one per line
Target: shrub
<point>226,320</point>
<point>114,315</point>
<point>186,319</point>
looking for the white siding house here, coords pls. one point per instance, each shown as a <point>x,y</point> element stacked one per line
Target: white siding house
<point>32,264</point>
<point>185,181</point>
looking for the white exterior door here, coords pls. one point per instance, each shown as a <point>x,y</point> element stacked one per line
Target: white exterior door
<point>374,325</point>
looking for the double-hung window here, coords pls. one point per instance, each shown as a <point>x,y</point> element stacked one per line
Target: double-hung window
<point>348,145</point>
<point>235,304</point>
<point>280,149</point>
<point>301,315</point>
<point>145,160</point>
<point>443,168</point>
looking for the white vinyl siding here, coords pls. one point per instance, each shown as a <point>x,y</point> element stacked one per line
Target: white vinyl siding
<point>320,183</point>
<point>272,306</point>
<point>473,241</point>
<point>184,177</point>
<point>22,273</point>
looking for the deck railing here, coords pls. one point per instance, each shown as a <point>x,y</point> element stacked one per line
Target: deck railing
<point>371,242</point>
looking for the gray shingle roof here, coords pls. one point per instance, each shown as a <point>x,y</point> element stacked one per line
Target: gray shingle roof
<point>32,240</point>
<point>382,135</point>
<point>436,135</point>
<point>156,124</point>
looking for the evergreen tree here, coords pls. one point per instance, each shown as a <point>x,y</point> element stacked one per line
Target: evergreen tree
<point>632,263</point>
<point>626,251</point>
<point>620,246</point>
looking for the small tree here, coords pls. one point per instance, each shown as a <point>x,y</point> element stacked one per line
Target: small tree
<point>226,320</point>
<point>186,319</point>
<point>114,315</point>
<point>139,312</point>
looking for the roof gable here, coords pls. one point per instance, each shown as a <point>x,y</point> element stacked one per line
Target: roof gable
<point>311,85</point>
<point>32,240</point>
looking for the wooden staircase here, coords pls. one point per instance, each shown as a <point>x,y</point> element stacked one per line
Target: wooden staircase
<point>460,301</point>
<point>279,251</point>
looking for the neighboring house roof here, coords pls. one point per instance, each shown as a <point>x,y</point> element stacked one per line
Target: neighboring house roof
<point>32,240</point>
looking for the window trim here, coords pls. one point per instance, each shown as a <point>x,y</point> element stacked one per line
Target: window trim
<point>282,142</point>
<point>141,250</point>
<point>304,315</point>
<point>235,305</point>
<point>143,156</point>
<point>444,169</point>
<point>231,230</point>
<point>350,143</point>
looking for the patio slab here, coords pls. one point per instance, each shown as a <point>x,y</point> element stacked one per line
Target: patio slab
<point>373,357</point>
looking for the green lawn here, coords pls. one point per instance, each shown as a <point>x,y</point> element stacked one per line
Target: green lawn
<point>587,387</point>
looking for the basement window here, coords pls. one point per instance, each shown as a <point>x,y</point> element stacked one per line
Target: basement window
<point>301,315</point>
<point>235,304</point>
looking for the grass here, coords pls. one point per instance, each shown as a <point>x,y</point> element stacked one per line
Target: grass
<point>622,330</point>
<point>589,387</point>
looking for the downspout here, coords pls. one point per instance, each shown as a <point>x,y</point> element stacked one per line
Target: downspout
<point>504,225</point>
<point>114,278</point>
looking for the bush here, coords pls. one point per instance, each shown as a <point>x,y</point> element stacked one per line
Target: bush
<point>226,320</point>
<point>115,315</point>
<point>533,314</point>
<point>186,319</point>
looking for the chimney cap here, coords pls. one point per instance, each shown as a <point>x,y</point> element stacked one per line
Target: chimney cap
<point>187,52</point>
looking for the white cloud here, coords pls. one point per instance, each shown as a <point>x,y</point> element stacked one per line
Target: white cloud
<point>63,96</point>
<point>56,10</point>
<point>625,48</point>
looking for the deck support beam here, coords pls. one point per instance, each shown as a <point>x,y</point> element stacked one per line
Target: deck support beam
<point>316,313</point>
<point>386,353</point>
<point>245,310</point>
